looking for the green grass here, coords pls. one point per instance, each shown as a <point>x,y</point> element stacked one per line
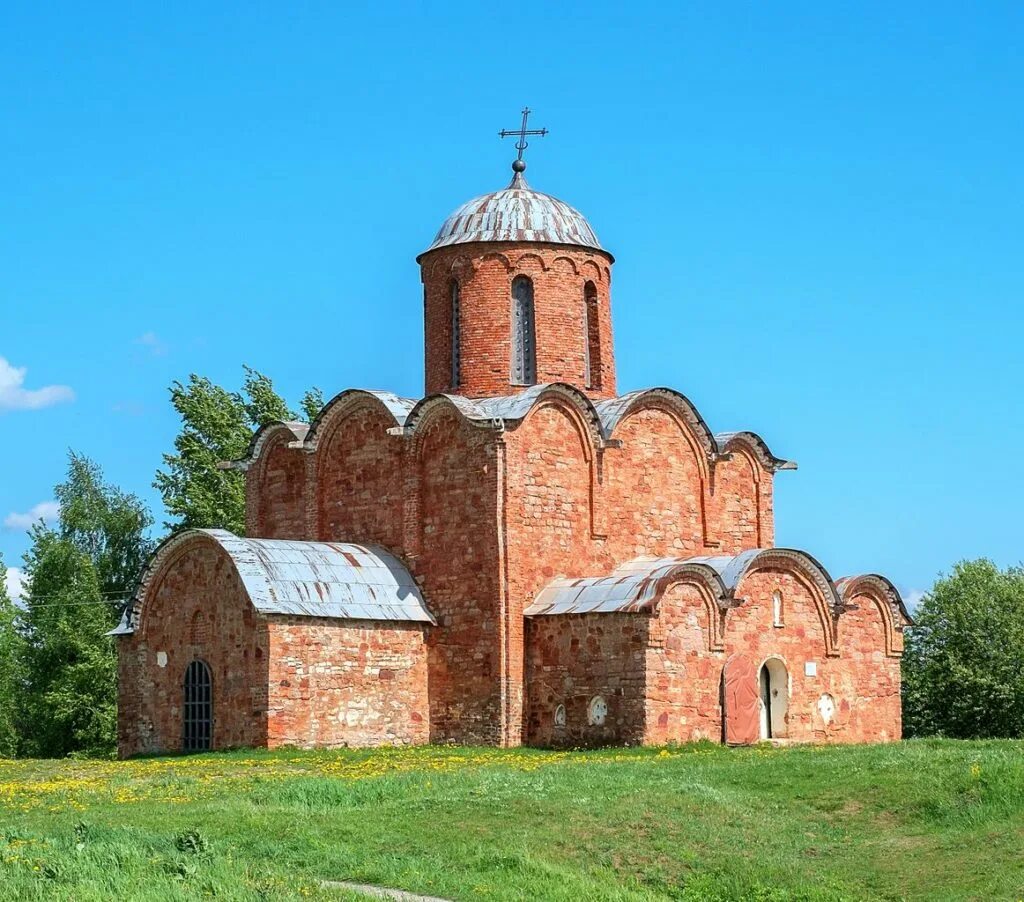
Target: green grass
<point>915,820</point>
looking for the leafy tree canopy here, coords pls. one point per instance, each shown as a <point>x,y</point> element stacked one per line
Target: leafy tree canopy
<point>963,669</point>
<point>217,425</point>
<point>10,670</point>
<point>79,573</point>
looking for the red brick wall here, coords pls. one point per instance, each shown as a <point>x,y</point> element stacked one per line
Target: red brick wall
<point>280,493</point>
<point>655,495</point>
<point>683,669</point>
<point>548,516</point>
<point>458,566</point>
<point>661,674</point>
<point>339,683</point>
<point>742,503</point>
<point>572,659</point>
<point>871,678</point>
<point>359,485</point>
<point>201,580</point>
<point>749,630</point>
<point>485,273</point>
<point>863,683</point>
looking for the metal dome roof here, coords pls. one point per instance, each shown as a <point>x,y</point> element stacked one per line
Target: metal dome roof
<point>516,213</point>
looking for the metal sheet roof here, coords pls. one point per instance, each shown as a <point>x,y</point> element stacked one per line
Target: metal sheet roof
<point>516,213</point>
<point>636,585</point>
<point>848,586</point>
<point>307,579</point>
<point>770,461</point>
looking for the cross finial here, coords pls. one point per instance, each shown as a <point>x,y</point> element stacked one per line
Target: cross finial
<point>520,165</point>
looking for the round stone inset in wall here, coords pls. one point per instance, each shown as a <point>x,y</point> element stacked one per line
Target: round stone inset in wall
<point>597,711</point>
<point>826,707</point>
<point>560,716</point>
<point>161,659</point>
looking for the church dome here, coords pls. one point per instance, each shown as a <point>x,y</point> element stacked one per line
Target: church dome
<point>516,213</point>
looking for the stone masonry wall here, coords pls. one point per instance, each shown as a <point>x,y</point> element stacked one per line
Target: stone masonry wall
<point>195,609</point>
<point>485,273</point>
<point>869,678</point>
<point>360,490</point>
<point>458,565</point>
<point>749,629</point>
<point>346,683</point>
<point>660,674</point>
<point>571,662</point>
<point>684,669</point>
<point>281,492</point>
<point>649,499</point>
<point>654,496</point>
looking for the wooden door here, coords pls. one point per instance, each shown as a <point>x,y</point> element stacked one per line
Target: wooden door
<point>741,701</point>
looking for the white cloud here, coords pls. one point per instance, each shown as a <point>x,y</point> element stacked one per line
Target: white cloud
<point>14,395</point>
<point>44,510</point>
<point>129,408</point>
<point>17,583</point>
<point>912,598</point>
<point>152,341</point>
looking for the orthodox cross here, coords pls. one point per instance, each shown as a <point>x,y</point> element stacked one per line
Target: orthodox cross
<point>521,134</point>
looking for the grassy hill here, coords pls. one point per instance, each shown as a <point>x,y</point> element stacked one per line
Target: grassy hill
<point>917,820</point>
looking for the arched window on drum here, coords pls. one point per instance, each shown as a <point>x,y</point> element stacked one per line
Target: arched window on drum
<point>524,339</point>
<point>456,331</point>
<point>592,338</point>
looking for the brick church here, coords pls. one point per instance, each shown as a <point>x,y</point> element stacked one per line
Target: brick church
<point>523,555</point>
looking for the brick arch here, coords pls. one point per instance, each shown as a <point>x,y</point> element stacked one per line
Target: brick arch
<point>635,430</point>
<point>884,599</point>
<point>807,572</point>
<point>709,588</point>
<point>531,257</point>
<point>280,489</point>
<point>562,258</point>
<point>755,446</point>
<point>679,405</point>
<point>590,269</point>
<point>340,406</point>
<point>554,437</point>
<point>490,256</point>
<point>359,474</point>
<point>579,408</point>
<point>734,480</point>
<point>166,556</point>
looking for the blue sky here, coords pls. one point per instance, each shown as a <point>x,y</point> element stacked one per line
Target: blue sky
<point>815,209</point>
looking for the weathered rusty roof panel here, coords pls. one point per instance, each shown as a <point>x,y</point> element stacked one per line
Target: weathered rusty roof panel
<point>516,213</point>
<point>336,580</point>
<point>637,585</point>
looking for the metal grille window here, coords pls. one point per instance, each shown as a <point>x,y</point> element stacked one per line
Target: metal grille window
<point>592,339</point>
<point>524,345</point>
<point>456,336</point>
<point>198,720</point>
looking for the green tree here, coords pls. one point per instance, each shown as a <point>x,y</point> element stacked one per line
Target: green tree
<point>79,573</point>
<point>10,670</point>
<point>963,668</point>
<point>217,425</point>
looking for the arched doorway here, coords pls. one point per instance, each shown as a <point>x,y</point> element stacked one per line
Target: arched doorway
<point>198,709</point>
<point>773,686</point>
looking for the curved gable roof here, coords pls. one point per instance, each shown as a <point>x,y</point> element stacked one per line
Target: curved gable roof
<point>637,584</point>
<point>337,580</point>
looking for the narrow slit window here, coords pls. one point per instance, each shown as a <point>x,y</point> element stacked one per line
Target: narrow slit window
<point>777,609</point>
<point>591,308</point>
<point>456,335</point>
<point>524,342</point>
